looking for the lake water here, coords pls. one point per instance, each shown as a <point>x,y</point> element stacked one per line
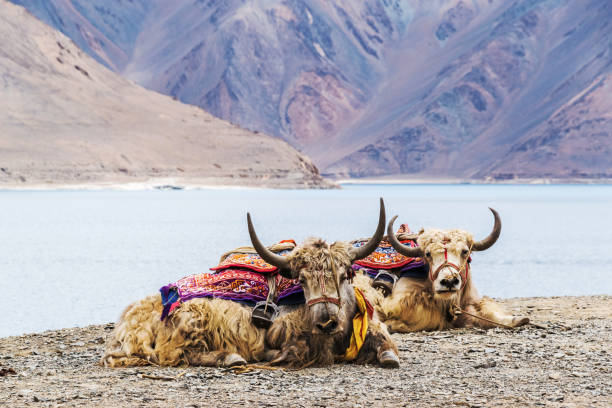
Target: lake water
<point>72,258</point>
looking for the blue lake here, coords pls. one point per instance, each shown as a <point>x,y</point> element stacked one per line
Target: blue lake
<point>73,258</point>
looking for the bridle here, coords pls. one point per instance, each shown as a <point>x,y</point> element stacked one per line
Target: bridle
<point>326,299</point>
<point>462,270</point>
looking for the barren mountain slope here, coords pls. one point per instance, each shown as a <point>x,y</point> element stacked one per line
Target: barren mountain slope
<point>64,118</point>
<point>575,142</point>
<point>441,88</point>
<point>296,69</point>
<point>466,98</point>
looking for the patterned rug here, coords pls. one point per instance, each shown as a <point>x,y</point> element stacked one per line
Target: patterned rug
<point>247,258</point>
<point>385,257</point>
<point>241,276</point>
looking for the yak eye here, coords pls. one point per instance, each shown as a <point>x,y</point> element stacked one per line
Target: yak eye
<point>428,254</point>
<point>343,277</point>
<point>464,252</point>
<point>302,279</point>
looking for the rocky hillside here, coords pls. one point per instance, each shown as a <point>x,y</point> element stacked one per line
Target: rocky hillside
<point>468,108</point>
<point>576,140</point>
<point>446,88</point>
<point>66,119</point>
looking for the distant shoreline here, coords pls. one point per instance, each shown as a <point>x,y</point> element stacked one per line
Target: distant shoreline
<point>257,184</point>
<point>534,181</point>
<point>172,183</point>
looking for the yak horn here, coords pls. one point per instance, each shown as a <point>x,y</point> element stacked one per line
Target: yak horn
<point>372,244</point>
<point>406,250</point>
<point>281,262</point>
<point>492,238</point>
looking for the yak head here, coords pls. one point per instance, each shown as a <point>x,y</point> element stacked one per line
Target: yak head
<point>447,252</point>
<point>324,272</point>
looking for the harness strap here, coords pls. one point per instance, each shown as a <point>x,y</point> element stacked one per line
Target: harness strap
<point>463,270</point>
<point>326,299</point>
<point>323,299</point>
<point>271,278</point>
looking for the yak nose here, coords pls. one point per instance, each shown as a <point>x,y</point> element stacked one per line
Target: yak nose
<point>450,282</point>
<point>328,326</point>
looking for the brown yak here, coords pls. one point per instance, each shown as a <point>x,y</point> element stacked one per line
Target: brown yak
<point>218,332</point>
<point>447,298</point>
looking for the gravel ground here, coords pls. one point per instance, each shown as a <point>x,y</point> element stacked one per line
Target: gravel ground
<point>565,363</point>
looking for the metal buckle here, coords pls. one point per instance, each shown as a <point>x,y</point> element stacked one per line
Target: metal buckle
<point>386,282</point>
<point>263,316</point>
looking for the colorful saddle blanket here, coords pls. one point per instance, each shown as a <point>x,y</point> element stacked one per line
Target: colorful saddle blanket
<point>385,257</point>
<point>241,276</point>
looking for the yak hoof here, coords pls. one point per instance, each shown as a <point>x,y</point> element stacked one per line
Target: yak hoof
<point>232,360</point>
<point>389,359</point>
<point>521,321</point>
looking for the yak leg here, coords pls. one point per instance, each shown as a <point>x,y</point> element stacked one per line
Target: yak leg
<point>489,309</point>
<point>397,326</point>
<point>272,354</point>
<point>298,354</point>
<point>214,359</point>
<point>121,360</point>
<point>379,347</point>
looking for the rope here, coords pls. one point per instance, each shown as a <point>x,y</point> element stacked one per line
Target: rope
<point>485,319</point>
<point>271,291</point>
<point>539,326</point>
<point>242,369</point>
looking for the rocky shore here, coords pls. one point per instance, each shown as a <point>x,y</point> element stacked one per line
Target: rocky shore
<point>564,361</point>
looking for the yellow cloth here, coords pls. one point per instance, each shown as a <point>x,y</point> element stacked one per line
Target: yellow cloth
<point>360,328</point>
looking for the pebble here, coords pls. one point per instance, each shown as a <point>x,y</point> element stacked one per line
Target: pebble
<point>464,367</point>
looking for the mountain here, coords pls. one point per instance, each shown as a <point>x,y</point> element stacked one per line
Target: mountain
<point>281,67</point>
<point>441,88</point>
<point>65,119</point>
<point>464,111</point>
<point>575,142</point>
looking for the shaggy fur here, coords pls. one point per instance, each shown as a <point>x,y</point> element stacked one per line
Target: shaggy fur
<point>200,332</point>
<point>217,332</point>
<point>414,305</point>
<point>316,254</point>
<point>309,349</point>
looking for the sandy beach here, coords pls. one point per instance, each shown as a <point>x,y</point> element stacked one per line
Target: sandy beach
<point>171,183</point>
<point>565,362</point>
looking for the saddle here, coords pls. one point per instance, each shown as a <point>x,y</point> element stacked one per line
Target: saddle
<point>241,276</point>
<point>385,265</point>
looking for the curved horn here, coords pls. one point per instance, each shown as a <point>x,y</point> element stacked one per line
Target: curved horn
<point>281,262</point>
<point>492,238</point>
<point>406,250</point>
<point>372,244</point>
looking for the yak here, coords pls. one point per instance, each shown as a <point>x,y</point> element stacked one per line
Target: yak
<point>447,298</point>
<point>336,322</point>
